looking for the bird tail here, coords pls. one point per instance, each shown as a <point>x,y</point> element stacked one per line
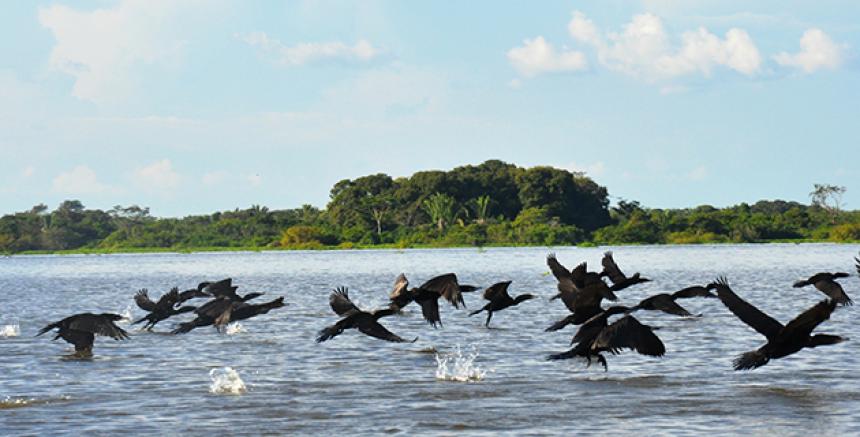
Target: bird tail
<point>560,324</point>
<point>750,360</point>
<point>329,333</point>
<point>48,328</point>
<point>799,284</point>
<point>557,295</point>
<point>468,288</point>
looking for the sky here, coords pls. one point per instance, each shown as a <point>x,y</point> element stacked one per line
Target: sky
<point>189,107</point>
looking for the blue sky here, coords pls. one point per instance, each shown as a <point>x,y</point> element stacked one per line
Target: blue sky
<point>195,106</point>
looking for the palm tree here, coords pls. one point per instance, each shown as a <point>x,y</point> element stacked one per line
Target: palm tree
<point>440,208</point>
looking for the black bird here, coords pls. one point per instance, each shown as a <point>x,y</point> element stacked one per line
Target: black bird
<point>826,283</point>
<point>781,340</point>
<point>225,288</point>
<point>222,311</point>
<point>666,302</point>
<point>596,336</point>
<point>353,317</point>
<point>499,300</point>
<point>193,293</point>
<point>81,329</point>
<point>428,294</point>
<point>160,310</point>
<point>857,265</point>
<point>619,280</point>
<point>580,291</point>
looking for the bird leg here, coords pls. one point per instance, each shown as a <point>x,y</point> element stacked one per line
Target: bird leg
<point>489,316</point>
<point>602,360</point>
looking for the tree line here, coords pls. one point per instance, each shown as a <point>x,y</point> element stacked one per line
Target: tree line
<point>494,203</point>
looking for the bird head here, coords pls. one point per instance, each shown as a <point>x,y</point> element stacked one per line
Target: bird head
<point>524,297</point>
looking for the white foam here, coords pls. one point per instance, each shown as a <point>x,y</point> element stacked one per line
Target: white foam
<point>458,367</point>
<point>226,381</point>
<point>126,315</point>
<point>234,328</point>
<point>12,330</point>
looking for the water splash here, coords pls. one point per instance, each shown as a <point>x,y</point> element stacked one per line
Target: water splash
<point>234,328</point>
<point>12,330</point>
<point>226,381</point>
<point>458,367</point>
<point>126,315</point>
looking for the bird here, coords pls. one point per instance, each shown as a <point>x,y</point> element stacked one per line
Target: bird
<point>826,283</point>
<point>160,310</point>
<point>781,340</point>
<point>225,288</point>
<point>428,294</point>
<point>666,302</point>
<point>193,293</point>
<point>81,329</point>
<point>353,317</point>
<point>222,311</point>
<point>499,299</point>
<point>597,336</point>
<point>857,264</point>
<point>619,280</point>
<point>580,291</point>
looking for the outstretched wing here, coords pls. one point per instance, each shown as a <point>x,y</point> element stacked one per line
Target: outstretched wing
<point>611,269</point>
<point>564,277</point>
<point>142,300</point>
<point>400,287</point>
<point>167,300</point>
<point>694,291</point>
<point>802,325</point>
<point>498,291</point>
<point>374,329</point>
<point>446,286</point>
<point>430,311</point>
<point>100,324</point>
<point>628,333</point>
<point>752,316</point>
<point>340,303</point>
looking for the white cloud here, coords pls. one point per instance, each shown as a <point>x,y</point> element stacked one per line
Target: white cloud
<point>537,56</point>
<point>79,180</point>
<point>817,51</point>
<point>255,180</point>
<point>158,177</point>
<point>100,48</point>
<point>309,53</point>
<point>643,49</point>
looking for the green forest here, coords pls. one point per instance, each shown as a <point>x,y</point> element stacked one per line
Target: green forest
<point>491,204</point>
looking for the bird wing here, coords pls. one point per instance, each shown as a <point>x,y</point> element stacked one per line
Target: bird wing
<point>167,300</point>
<point>374,329</point>
<point>142,300</point>
<point>628,333</point>
<point>834,291</point>
<point>446,286</point>
<point>564,277</point>
<point>498,291</point>
<point>857,265</point>
<point>569,299</point>
<point>223,287</point>
<point>340,303</point>
<point>694,291</point>
<point>663,302</point>
<point>101,324</point>
<point>430,311</point>
<point>401,285</point>
<point>611,269</point>
<point>214,307</point>
<point>752,316</point>
<point>802,325</point>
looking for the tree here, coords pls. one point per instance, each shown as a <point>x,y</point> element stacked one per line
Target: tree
<point>440,208</point>
<point>482,209</point>
<point>828,198</point>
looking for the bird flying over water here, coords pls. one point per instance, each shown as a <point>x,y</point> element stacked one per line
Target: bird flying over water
<point>353,317</point>
<point>597,336</point>
<point>619,280</point>
<point>581,292</point>
<point>222,311</point>
<point>499,299</point>
<point>666,302</point>
<point>81,329</point>
<point>160,310</point>
<point>826,283</point>
<point>781,340</point>
<point>428,294</point>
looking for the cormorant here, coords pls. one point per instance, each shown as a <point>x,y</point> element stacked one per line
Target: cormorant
<point>581,292</point>
<point>619,280</point>
<point>499,299</point>
<point>596,336</point>
<point>428,294</point>
<point>781,340</point>
<point>666,302</point>
<point>857,265</point>
<point>223,310</point>
<point>161,310</point>
<point>193,293</point>
<point>579,277</point>
<point>826,283</point>
<point>80,330</point>
<point>353,317</point>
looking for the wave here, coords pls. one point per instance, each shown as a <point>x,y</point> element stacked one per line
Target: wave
<point>458,367</point>
<point>226,381</point>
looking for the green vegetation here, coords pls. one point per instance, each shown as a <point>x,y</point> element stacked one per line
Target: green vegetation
<point>491,204</point>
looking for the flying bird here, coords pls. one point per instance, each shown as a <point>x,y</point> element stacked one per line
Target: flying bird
<point>581,292</point>
<point>353,317</point>
<point>160,310</point>
<point>619,280</point>
<point>428,294</point>
<point>81,329</point>
<point>222,311</point>
<point>499,299</point>
<point>781,340</point>
<point>826,283</point>
<point>666,302</point>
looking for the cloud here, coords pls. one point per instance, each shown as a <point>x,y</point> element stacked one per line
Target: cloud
<point>310,53</point>
<point>537,56</point>
<point>79,180</point>
<point>817,51</point>
<point>643,49</point>
<point>101,48</point>
<point>158,177</point>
